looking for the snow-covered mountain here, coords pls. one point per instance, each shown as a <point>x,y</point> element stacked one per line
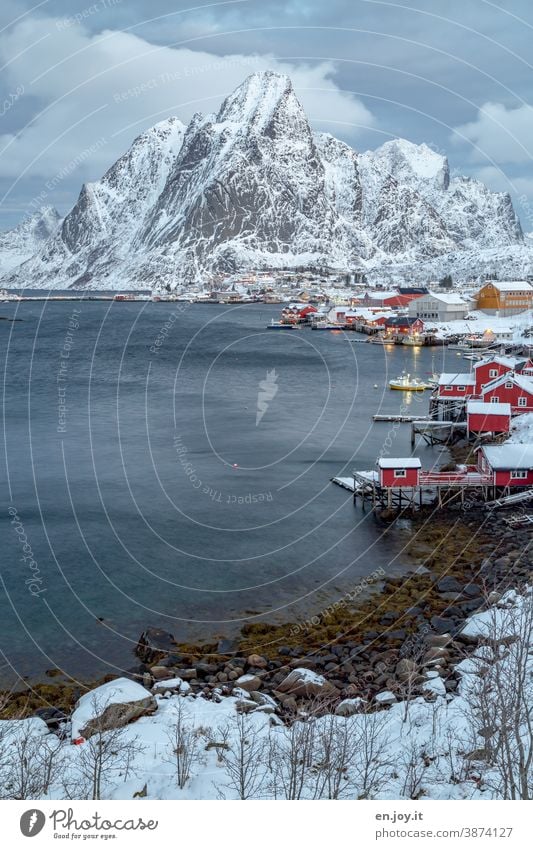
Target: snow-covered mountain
<point>254,187</point>
<point>27,238</point>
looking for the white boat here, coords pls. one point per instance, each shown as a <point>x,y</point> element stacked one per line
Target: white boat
<point>414,341</point>
<point>278,325</point>
<point>406,383</point>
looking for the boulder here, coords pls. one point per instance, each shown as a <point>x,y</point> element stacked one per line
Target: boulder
<point>349,706</point>
<point>439,640</point>
<point>112,705</point>
<point>257,661</point>
<point>386,697</point>
<point>449,584</point>
<point>186,674</point>
<point>154,644</point>
<point>305,682</point>
<point>440,624</point>
<point>172,684</point>
<point>406,670</point>
<point>249,683</point>
<point>161,672</point>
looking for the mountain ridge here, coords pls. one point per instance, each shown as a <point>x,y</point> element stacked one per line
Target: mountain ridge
<point>252,186</point>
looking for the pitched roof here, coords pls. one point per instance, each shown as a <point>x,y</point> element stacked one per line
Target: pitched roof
<point>520,380</point>
<point>402,320</point>
<point>449,298</point>
<point>484,408</point>
<point>456,379</point>
<point>399,463</point>
<point>510,362</point>
<point>510,455</point>
<point>512,286</point>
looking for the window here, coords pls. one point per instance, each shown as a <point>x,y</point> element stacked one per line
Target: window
<point>400,473</point>
<point>522,401</point>
<point>518,474</point>
<point>508,384</point>
<point>495,399</point>
<point>493,372</point>
<point>461,388</point>
<point>448,388</point>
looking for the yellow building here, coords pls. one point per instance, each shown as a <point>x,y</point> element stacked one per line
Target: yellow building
<point>506,298</point>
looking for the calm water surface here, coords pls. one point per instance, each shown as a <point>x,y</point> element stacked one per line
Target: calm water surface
<point>160,497</point>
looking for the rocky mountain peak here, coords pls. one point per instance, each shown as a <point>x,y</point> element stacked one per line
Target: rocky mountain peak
<point>252,187</point>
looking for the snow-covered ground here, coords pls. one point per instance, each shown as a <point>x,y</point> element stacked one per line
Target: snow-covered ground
<point>508,328</point>
<point>443,746</point>
<point>522,429</point>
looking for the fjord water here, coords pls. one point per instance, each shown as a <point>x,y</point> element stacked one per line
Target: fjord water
<point>171,465</point>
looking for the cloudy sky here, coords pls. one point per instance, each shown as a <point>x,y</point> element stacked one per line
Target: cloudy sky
<point>80,80</point>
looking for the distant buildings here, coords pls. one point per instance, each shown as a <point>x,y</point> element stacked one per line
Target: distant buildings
<point>506,298</point>
<point>438,307</point>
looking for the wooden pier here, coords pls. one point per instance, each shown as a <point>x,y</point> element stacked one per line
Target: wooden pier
<point>378,417</point>
<point>439,488</point>
<point>437,432</point>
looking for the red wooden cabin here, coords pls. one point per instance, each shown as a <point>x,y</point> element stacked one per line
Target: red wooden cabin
<point>482,417</point>
<point>456,385</point>
<point>399,472</point>
<point>510,464</point>
<point>488,370</point>
<point>513,389</point>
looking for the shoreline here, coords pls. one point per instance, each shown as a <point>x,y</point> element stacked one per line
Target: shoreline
<point>359,648</point>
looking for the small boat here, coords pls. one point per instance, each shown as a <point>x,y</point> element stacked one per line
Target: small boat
<point>278,325</point>
<point>409,384</point>
<point>414,341</point>
<point>319,326</point>
<point>380,340</point>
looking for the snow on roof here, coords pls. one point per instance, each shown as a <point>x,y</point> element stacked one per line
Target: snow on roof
<point>510,455</point>
<point>457,379</point>
<point>512,286</point>
<point>485,408</point>
<point>399,463</point>
<point>509,362</point>
<point>521,380</point>
<point>449,298</point>
<point>381,295</point>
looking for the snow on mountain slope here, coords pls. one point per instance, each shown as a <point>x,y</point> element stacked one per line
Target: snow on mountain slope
<point>253,187</point>
<point>24,240</point>
<point>98,235</point>
<point>248,187</point>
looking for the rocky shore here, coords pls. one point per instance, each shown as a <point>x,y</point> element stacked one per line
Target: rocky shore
<point>402,641</point>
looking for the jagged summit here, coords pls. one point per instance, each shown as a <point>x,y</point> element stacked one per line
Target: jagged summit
<point>253,187</point>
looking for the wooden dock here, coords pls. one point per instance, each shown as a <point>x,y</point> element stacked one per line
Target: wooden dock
<point>435,432</point>
<point>379,417</point>
<point>439,488</point>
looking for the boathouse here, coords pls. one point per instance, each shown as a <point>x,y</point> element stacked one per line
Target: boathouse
<point>399,472</point>
<point>456,385</point>
<point>403,325</point>
<point>488,370</point>
<point>509,465</point>
<point>482,417</point>
<point>513,389</point>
